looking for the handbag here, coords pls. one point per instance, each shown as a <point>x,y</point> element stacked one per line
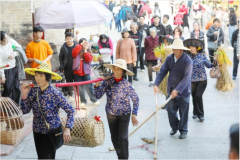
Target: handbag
<point>87,131</point>
<point>212,45</point>
<point>215,72</point>
<point>55,135</point>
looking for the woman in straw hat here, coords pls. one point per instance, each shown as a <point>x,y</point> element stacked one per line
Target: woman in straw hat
<point>199,76</point>
<point>45,101</point>
<point>118,108</point>
<point>179,66</point>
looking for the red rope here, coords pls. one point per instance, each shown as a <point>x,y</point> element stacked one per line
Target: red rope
<point>143,146</point>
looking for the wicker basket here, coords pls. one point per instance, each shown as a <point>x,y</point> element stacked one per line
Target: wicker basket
<point>87,131</point>
<point>11,121</point>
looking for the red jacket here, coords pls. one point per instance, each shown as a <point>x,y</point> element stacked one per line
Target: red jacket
<point>87,58</point>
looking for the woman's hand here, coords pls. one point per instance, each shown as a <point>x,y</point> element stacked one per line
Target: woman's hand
<point>98,83</point>
<point>25,90</point>
<point>134,120</point>
<point>11,56</point>
<point>67,135</point>
<point>37,61</point>
<point>2,80</point>
<point>214,63</point>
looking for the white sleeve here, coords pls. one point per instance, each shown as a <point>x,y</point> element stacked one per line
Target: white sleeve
<point>15,43</point>
<point>2,75</point>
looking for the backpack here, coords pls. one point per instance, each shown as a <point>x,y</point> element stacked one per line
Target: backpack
<point>128,14</point>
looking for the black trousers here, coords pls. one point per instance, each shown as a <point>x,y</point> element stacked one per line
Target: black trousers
<point>150,64</point>
<point>181,104</point>
<point>118,126</point>
<point>42,144</point>
<point>198,89</point>
<point>69,75</point>
<point>235,63</point>
<point>142,58</point>
<point>136,67</point>
<point>211,55</point>
<point>12,85</point>
<point>130,68</point>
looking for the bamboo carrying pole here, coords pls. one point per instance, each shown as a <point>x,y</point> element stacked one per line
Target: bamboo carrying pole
<point>156,129</point>
<point>112,149</point>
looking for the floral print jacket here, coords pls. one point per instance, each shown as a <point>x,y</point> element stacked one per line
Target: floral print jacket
<point>199,62</point>
<point>118,97</point>
<point>51,101</point>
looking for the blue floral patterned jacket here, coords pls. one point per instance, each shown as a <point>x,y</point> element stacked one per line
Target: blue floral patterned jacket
<point>118,93</point>
<point>51,101</point>
<point>199,63</point>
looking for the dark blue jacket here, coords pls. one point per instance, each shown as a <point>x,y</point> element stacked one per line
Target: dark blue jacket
<point>139,38</point>
<point>179,75</point>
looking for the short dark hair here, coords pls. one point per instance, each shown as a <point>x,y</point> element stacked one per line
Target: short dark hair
<point>156,16</point>
<point>38,29</point>
<point>216,19</point>
<point>141,16</point>
<point>69,34</point>
<point>129,18</point>
<point>81,40</point>
<point>134,18</point>
<point>234,137</point>
<point>3,34</point>
<point>48,76</point>
<point>123,35</point>
<point>166,15</point>
<point>179,30</point>
<point>196,22</point>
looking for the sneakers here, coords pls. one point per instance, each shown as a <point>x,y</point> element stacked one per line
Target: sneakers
<point>194,116</point>
<point>96,103</point>
<point>70,99</point>
<point>142,70</point>
<point>82,104</point>
<point>135,78</point>
<point>234,77</point>
<point>151,84</point>
<point>183,136</point>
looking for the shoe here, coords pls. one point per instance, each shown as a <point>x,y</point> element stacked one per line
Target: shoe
<point>234,77</point>
<point>173,132</point>
<point>142,70</point>
<point>201,119</point>
<point>194,116</point>
<point>150,85</point>
<point>183,136</point>
<point>148,140</point>
<point>70,99</point>
<point>135,79</point>
<point>97,103</point>
<point>82,104</point>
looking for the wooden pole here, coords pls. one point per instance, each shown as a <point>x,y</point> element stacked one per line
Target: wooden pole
<point>156,129</point>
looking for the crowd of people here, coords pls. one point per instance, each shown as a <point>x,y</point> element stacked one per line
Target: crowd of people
<point>142,29</point>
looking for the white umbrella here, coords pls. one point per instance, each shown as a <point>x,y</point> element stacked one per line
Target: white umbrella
<point>59,15</point>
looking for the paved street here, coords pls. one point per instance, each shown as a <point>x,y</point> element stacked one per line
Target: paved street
<point>207,140</point>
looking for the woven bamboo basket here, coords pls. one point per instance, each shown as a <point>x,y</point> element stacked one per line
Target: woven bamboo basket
<point>87,131</point>
<point>11,121</point>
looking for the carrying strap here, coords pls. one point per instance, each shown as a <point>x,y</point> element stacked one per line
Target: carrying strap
<point>120,46</point>
<point>47,124</point>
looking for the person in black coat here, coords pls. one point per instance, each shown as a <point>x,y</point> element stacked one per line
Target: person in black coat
<point>66,61</point>
<point>235,45</point>
<point>167,25</point>
<point>159,26</point>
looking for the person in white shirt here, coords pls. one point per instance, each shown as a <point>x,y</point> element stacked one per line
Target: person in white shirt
<point>10,79</point>
<point>128,23</point>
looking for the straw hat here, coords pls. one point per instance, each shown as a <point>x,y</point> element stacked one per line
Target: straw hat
<point>194,42</point>
<point>44,67</point>
<point>121,63</point>
<point>178,44</point>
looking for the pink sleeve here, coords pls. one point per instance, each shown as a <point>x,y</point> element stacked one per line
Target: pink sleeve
<point>111,45</point>
<point>99,45</point>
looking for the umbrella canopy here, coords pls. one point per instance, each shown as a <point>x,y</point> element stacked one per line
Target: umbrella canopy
<point>59,15</point>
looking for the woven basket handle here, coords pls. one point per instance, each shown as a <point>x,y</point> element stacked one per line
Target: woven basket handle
<point>93,113</point>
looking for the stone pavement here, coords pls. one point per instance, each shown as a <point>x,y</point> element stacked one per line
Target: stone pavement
<point>207,140</point>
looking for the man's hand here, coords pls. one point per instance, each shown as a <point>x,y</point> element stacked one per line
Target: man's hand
<point>215,42</point>
<point>37,61</point>
<point>11,56</point>
<point>134,64</point>
<point>174,94</point>
<point>238,57</point>
<point>2,80</point>
<point>215,33</point>
<point>155,89</point>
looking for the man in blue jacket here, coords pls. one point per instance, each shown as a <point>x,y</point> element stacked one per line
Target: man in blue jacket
<point>179,65</point>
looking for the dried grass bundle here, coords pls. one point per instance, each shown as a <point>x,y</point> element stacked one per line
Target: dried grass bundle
<point>224,82</point>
